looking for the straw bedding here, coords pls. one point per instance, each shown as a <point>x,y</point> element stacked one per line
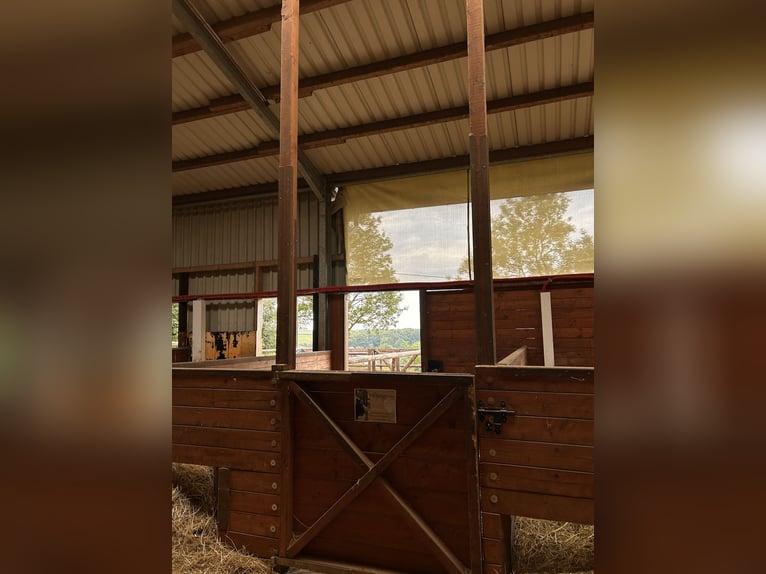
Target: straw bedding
<point>540,546</point>
<point>196,548</point>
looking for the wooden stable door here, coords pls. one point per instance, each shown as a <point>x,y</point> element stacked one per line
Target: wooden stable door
<point>379,471</point>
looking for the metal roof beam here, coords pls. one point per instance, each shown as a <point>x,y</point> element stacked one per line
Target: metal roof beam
<point>188,14</point>
<point>250,24</point>
<point>500,156</point>
<point>506,155</point>
<point>338,136</point>
<point>497,41</point>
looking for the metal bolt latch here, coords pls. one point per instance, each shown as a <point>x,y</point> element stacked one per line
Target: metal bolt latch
<point>495,417</point>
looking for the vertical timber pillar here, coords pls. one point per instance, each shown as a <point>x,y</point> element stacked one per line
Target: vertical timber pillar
<point>198,330</point>
<point>479,150</point>
<point>183,311</point>
<point>482,247</point>
<point>288,187</point>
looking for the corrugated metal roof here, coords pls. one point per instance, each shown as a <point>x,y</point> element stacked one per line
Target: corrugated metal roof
<point>363,31</point>
<point>241,173</point>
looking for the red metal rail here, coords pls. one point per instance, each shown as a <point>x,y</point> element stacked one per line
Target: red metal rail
<point>543,282</point>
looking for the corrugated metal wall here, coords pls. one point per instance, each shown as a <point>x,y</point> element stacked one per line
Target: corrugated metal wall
<point>242,231</point>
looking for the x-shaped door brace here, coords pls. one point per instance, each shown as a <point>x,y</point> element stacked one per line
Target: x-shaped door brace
<point>374,471</point>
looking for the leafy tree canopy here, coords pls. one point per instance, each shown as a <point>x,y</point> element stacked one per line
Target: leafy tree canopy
<point>532,236</point>
<point>369,264</point>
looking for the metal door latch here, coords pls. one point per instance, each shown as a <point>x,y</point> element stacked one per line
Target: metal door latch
<point>495,416</point>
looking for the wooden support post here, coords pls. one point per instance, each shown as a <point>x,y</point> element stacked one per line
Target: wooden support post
<point>259,327</point>
<point>337,311</point>
<point>183,311</point>
<point>472,480</point>
<point>506,538</point>
<point>425,333</point>
<point>318,316</point>
<point>198,330</point>
<point>223,497</point>
<point>479,150</point>
<point>323,263</point>
<point>286,475</point>
<point>288,187</point>
<point>547,320</point>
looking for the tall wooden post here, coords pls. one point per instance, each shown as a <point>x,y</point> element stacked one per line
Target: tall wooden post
<point>288,186</point>
<point>479,149</point>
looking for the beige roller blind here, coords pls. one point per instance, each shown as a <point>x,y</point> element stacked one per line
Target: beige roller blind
<point>417,228</point>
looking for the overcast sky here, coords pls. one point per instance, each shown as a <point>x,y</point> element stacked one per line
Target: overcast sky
<point>430,243</point>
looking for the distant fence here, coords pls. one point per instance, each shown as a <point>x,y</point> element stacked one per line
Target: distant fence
<point>395,360</point>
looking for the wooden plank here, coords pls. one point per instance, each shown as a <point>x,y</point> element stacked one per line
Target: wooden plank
<point>337,311</point>
<point>288,185</point>
<point>438,443</point>
<point>260,546</point>
<point>548,507</point>
<point>425,329</point>
<point>443,553</point>
<point>541,404</point>
<point>374,557</point>
<point>264,482</point>
<point>517,357</point>
<point>254,503</point>
<point>287,468</point>
<point>541,429</point>
<point>222,379</point>
<point>388,531</point>
<point>225,398</point>
<point>226,418</point>
<point>538,480</point>
<point>343,439</point>
<point>380,380</point>
<point>410,406</point>
<point>494,551</point>
<point>472,479</point>
<point>536,379</point>
<point>480,211</point>
<point>223,498</point>
<point>443,511</point>
<point>375,471</point>
<point>248,24</point>
<point>231,458</point>
<point>491,526</point>
<point>439,475</point>
<point>256,524</point>
<point>328,567</point>
<point>573,332</point>
<point>314,496</point>
<point>552,456</point>
<point>227,438</point>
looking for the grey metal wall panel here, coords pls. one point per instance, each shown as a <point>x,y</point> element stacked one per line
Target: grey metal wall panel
<point>242,231</point>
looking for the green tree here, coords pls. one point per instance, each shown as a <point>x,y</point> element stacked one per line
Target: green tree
<point>371,264</point>
<point>305,310</point>
<point>174,322</point>
<point>269,325</point>
<point>533,236</point>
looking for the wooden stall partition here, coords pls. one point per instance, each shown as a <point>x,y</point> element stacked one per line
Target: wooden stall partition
<point>448,327</point>
<point>308,361</point>
<point>535,450</point>
<point>448,324</point>
<point>231,420</point>
<point>573,321</point>
<point>379,473</point>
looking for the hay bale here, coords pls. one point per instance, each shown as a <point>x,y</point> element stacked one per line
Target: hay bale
<point>196,482</point>
<point>196,548</point>
<point>546,546</point>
